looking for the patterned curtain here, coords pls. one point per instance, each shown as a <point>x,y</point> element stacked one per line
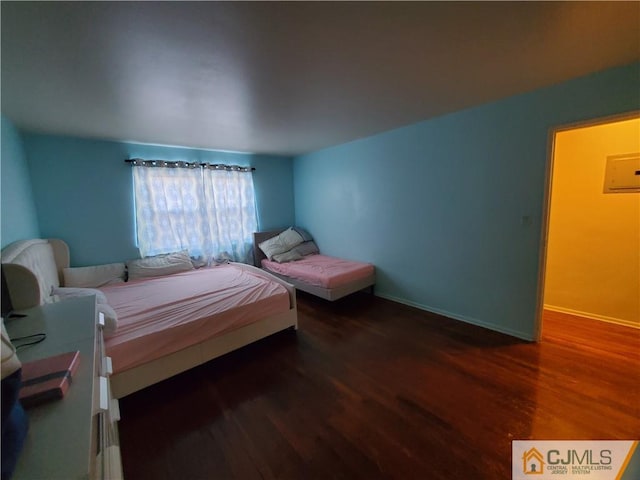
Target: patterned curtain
<point>209,211</point>
<point>231,212</point>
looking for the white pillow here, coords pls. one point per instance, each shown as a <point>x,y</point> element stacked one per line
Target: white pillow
<point>110,318</point>
<point>68,292</point>
<point>281,243</point>
<point>289,256</point>
<point>93,276</point>
<point>165,264</point>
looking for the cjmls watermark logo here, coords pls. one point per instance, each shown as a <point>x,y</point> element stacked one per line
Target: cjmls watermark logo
<point>532,462</point>
<point>592,459</point>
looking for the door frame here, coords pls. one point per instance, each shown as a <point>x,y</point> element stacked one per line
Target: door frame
<point>546,202</point>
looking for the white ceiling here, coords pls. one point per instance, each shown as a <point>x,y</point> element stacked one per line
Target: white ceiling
<point>288,77</point>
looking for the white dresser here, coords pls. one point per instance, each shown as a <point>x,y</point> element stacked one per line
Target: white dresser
<point>75,437</point>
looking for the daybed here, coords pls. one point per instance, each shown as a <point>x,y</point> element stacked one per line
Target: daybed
<point>166,324</point>
<point>327,277</point>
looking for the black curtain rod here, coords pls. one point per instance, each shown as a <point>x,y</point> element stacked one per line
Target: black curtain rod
<point>188,164</point>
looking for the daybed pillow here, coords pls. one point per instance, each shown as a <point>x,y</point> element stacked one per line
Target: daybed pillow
<point>281,243</point>
<point>70,292</point>
<point>306,236</point>
<point>289,256</point>
<point>306,248</point>
<point>165,264</point>
<point>93,276</point>
<point>110,318</point>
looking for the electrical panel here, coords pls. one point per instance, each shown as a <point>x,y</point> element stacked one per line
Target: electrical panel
<point>622,173</point>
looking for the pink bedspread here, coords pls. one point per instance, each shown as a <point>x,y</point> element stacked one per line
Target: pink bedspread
<point>321,270</point>
<point>161,315</point>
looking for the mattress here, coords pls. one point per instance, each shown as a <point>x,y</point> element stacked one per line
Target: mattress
<point>321,270</point>
<point>162,315</point>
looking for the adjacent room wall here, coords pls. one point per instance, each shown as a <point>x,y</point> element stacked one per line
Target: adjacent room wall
<point>593,249</point>
<point>18,211</point>
<point>449,210</point>
<point>83,191</point>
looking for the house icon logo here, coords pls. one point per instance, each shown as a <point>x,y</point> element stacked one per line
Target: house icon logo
<point>532,462</point>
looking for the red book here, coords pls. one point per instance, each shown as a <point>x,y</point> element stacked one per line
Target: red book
<point>48,378</point>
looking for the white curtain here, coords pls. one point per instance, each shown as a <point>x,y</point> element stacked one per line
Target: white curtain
<point>231,212</point>
<point>208,211</point>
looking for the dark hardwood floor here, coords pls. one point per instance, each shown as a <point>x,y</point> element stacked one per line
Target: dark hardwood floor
<point>368,388</point>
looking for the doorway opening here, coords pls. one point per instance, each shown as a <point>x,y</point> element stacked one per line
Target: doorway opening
<point>590,261</point>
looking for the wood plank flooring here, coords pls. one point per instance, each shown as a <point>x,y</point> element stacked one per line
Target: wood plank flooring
<point>369,388</point>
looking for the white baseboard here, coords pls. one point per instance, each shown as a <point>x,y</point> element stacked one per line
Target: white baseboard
<point>462,318</point>
<point>593,316</point>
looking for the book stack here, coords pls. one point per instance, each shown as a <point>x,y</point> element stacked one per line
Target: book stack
<point>48,378</point>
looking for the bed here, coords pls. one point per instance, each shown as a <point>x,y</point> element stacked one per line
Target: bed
<point>166,324</point>
<point>327,277</point>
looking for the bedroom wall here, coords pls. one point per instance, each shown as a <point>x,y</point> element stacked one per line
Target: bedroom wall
<point>17,208</point>
<point>83,191</point>
<point>593,247</point>
<point>449,209</point>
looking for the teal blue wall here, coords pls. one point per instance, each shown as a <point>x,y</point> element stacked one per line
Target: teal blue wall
<point>437,206</point>
<point>18,211</point>
<point>84,191</point>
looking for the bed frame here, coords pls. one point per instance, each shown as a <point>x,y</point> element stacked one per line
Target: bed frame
<point>326,293</point>
<point>29,271</point>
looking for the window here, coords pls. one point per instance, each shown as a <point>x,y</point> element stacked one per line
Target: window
<point>208,210</point>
